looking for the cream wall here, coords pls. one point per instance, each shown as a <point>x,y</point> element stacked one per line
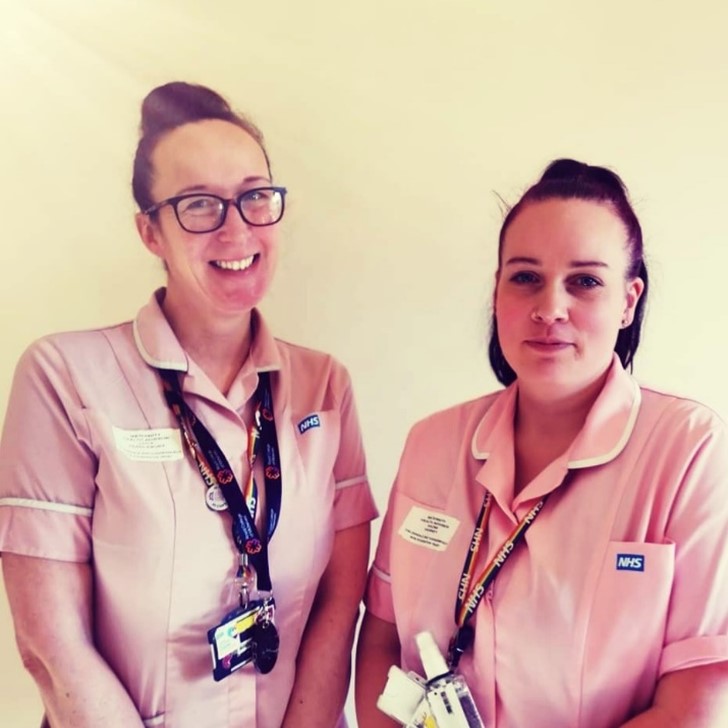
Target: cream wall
<point>396,124</point>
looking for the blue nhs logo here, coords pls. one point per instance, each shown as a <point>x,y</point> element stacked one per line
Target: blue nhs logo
<point>630,562</point>
<point>308,422</point>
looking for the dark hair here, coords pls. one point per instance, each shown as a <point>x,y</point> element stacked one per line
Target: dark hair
<point>169,106</point>
<point>568,179</point>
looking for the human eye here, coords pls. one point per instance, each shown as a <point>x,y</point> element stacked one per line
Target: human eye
<point>524,278</point>
<point>199,205</point>
<point>258,196</point>
<point>585,281</point>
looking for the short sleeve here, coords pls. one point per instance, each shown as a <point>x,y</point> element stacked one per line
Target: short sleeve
<point>47,467</point>
<point>378,597</point>
<point>697,623</point>
<point>353,500</point>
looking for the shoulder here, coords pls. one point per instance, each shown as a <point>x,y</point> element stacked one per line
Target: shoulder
<point>62,359</point>
<point>303,360</point>
<point>72,346</point>
<point>667,412</point>
<point>454,423</point>
<point>680,437</point>
<point>439,452</point>
<point>314,378</point>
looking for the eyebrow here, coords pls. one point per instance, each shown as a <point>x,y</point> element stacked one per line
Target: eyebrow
<point>521,259</point>
<point>206,188</point>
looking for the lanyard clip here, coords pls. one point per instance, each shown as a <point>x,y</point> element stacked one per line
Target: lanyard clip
<point>245,579</point>
<point>460,643</point>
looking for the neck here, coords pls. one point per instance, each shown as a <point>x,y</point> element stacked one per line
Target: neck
<point>553,419</point>
<point>218,344</point>
<point>545,428</point>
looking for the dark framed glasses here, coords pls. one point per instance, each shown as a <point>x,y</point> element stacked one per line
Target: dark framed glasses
<point>204,213</point>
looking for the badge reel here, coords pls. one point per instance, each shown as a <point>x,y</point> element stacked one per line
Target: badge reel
<point>247,633</point>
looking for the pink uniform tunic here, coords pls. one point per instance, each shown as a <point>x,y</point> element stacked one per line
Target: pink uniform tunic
<point>92,468</point>
<point>622,577</point>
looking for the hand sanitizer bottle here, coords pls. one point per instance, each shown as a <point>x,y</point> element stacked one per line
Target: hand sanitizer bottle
<point>448,695</point>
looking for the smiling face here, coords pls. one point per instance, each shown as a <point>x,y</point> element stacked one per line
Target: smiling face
<point>224,273</point>
<point>562,294</point>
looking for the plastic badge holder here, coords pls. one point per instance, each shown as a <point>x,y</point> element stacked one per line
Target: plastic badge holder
<point>402,695</point>
<point>448,695</point>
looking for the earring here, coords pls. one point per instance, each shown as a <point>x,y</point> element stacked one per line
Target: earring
<point>625,322</point>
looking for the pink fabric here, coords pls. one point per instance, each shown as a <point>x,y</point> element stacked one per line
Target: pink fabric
<point>163,562</point>
<point>564,638</point>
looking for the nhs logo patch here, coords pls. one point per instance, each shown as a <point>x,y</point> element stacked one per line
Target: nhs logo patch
<point>630,562</point>
<point>308,422</point>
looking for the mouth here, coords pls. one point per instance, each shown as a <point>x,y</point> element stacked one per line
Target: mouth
<point>547,344</point>
<point>235,265</point>
<point>547,341</point>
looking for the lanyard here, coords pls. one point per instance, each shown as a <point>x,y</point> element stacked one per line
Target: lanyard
<point>466,601</point>
<point>216,471</point>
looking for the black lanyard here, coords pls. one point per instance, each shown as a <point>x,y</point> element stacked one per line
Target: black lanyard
<point>216,471</point>
<point>467,600</point>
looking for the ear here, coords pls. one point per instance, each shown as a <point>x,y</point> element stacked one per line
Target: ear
<point>634,290</point>
<point>149,233</point>
<point>496,279</point>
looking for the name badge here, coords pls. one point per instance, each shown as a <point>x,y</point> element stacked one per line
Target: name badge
<point>231,641</point>
<point>154,446</point>
<point>430,529</point>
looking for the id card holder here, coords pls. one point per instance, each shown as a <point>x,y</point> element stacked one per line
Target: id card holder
<point>232,641</point>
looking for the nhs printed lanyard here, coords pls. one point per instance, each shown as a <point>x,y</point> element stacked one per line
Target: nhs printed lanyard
<point>468,599</point>
<point>217,474</point>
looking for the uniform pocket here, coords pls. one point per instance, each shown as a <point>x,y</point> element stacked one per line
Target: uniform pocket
<point>317,436</point>
<point>628,611</point>
<point>633,590</point>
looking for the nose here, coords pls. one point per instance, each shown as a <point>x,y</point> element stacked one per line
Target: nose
<point>551,306</point>
<point>233,224</point>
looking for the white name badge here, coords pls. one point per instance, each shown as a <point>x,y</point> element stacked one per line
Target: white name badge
<point>154,446</point>
<point>430,529</point>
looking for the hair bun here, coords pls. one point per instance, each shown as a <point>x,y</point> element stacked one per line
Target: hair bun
<point>579,173</point>
<point>564,169</point>
<point>177,103</point>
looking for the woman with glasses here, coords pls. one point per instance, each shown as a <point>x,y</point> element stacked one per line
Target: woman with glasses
<point>566,538</point>
<point>184,507</point>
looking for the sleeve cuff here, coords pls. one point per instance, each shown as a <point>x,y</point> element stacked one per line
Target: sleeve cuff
<point>378,596</point>
<point>46,530</point>
<point>354,504</point>
<point>694,652</point>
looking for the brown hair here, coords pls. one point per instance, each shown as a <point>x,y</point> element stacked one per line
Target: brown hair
<point>568,179</point>
<point>169,106</point>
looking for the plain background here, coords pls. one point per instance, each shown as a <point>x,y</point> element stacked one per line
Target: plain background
<point>398,126</point>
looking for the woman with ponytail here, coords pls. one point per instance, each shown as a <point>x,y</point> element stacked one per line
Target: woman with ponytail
<point>566,538</point>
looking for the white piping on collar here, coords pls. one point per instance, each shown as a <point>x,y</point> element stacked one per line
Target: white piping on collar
<point>476,453</point>
<point>149,359</point>
<point>586,462</point>
<point>626,434</point>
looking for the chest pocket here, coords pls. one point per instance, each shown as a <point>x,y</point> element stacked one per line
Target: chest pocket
<point>627,617</point>
<point>301,547</point>
<point>317,436</point>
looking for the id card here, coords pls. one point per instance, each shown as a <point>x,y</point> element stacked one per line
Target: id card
<point>231,642</point>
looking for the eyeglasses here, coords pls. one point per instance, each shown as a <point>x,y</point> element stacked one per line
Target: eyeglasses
<point>204,213</point>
